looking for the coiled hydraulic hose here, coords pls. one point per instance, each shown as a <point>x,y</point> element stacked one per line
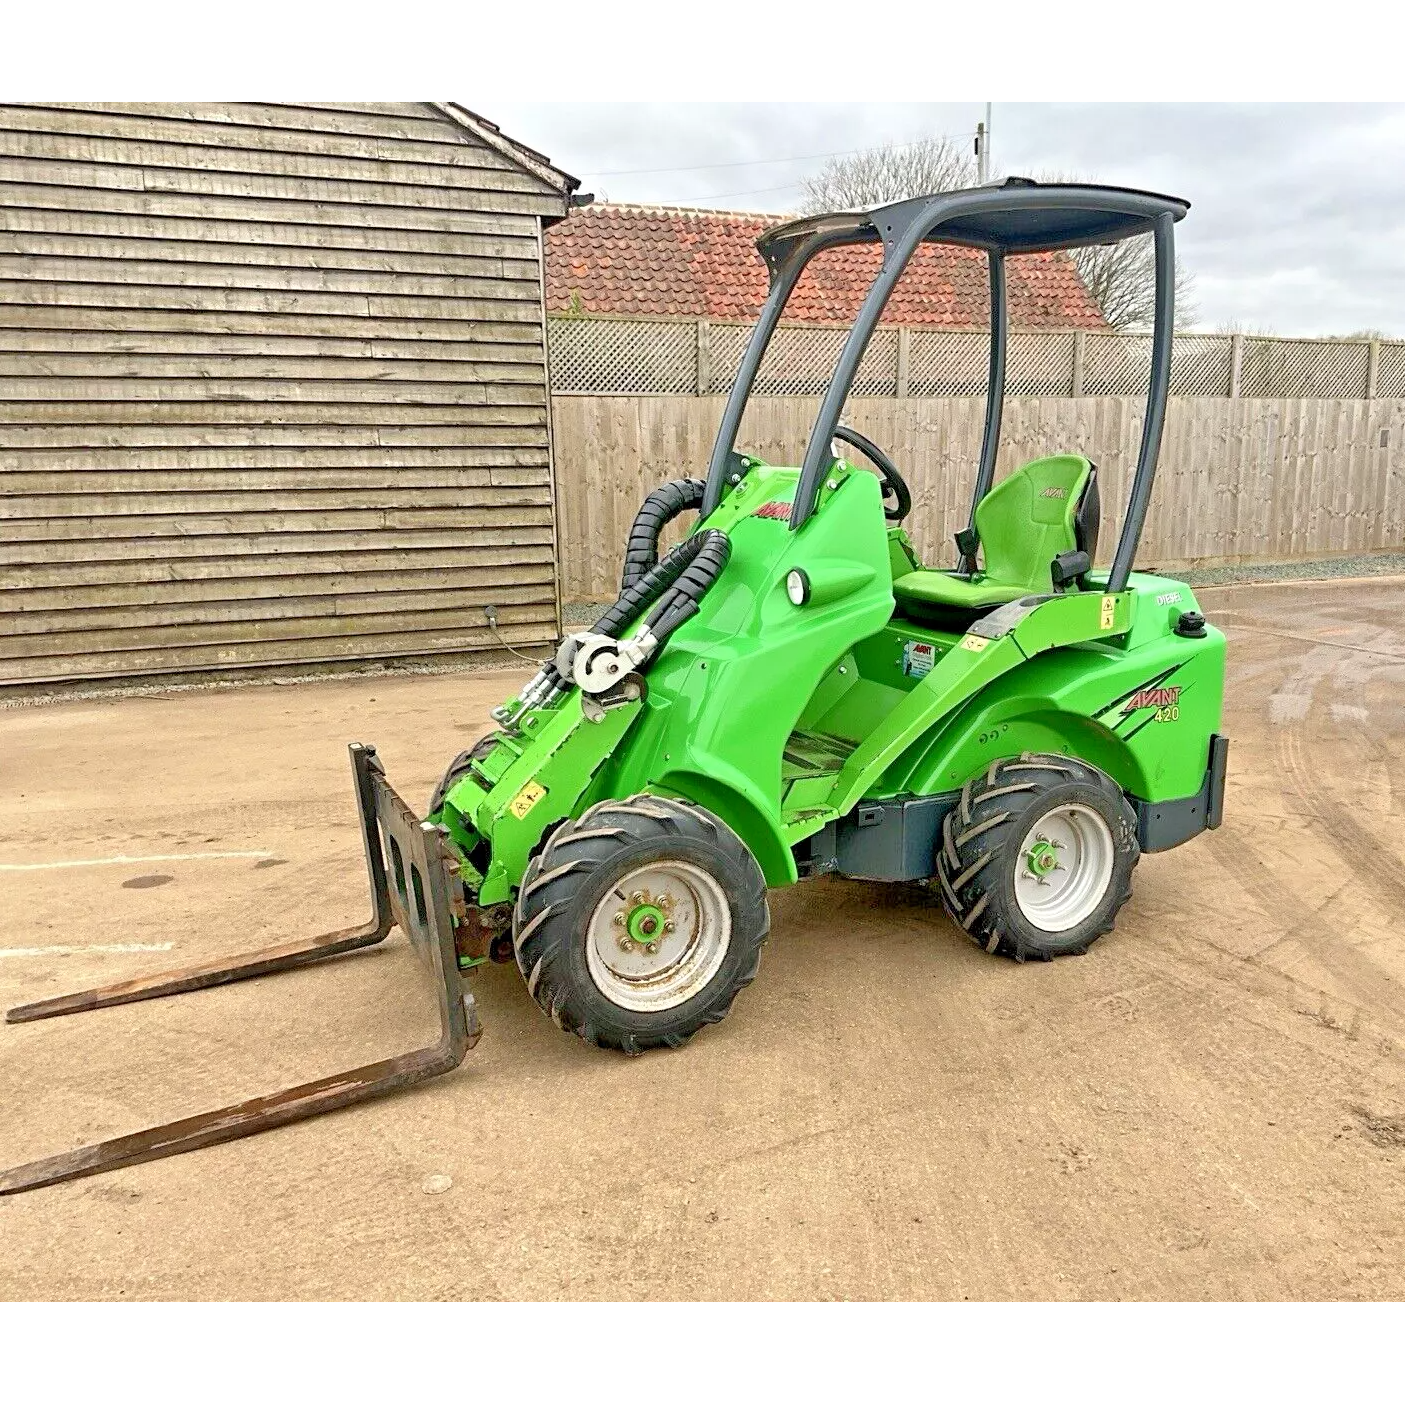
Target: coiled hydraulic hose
<point>675,587</point>
<point>641,552</point>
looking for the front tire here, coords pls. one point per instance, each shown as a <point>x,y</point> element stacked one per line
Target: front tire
<point>640,922</point>
<point>1037,857</point>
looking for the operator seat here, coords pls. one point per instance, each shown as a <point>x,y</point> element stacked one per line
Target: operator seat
<point>1033,529</point>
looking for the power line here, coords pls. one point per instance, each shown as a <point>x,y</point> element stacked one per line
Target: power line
<point>781,160</point>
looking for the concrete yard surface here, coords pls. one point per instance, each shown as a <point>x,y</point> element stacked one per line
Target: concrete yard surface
<point>1210,1104</point>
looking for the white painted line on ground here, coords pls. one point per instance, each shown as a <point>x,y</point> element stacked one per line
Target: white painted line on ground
<point>115,948</point>
<point>140,858</point>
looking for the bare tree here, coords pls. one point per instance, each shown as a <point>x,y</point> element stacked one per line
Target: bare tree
<point>888,173</point>
<point>1121,278</point>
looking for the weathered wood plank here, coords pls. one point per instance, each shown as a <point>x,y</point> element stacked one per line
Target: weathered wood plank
<point>46,602</point>
<point>23,534</point>
<point>363,169</point>
<point>349,195</point>
<point>384,331</point>
<point>290,402</point>
<point>130,197</point>
<point>509,238</point>
<point>529,547</point>
<point>504,366</point>
<point>207,546</point>
<point>347,459</point>
<point>152,273</point>
<point>173,637</point>
<point>110,507</point>
<point>199,298</point>
<point>90,486</point>
<point>84,244</point>
<point>441,149</point>
<point>166,658</point>
<point>109,625</point>
<point>413,121</point>
<point>529,430</point>
<point>64,350</point>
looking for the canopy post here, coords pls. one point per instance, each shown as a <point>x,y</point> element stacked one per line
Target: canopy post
<point>1162,346</point>
<point>994,402</point>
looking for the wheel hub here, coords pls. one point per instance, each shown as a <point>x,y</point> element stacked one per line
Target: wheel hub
<point>658,937</point>
<point>1065,866</point>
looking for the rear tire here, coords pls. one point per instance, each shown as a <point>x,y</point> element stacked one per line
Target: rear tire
<point>639,923</point>
<point>1036,859</point>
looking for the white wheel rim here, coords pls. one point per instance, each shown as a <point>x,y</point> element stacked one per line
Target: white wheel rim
<point>1063,867</point>
<point>678,910</point>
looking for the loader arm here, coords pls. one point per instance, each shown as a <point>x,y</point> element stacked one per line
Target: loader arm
<point>408,868</point>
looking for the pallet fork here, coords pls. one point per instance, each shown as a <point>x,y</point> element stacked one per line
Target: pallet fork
<point>412,893</point>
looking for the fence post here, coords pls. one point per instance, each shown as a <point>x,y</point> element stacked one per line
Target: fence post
<point>1236,363</point>
<point>703,381</point>
<point>900,380</point>
<point>1373,369</point>
<point>1080,341</point>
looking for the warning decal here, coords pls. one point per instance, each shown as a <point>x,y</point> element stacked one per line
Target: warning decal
<point>918,658</point>
<point>525,798</point>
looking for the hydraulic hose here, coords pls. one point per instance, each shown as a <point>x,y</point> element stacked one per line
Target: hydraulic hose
<point>674,588</point>
<point>698,560</point>
<point>641,552</point>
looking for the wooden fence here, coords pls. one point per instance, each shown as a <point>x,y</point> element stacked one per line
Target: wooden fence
<point>1239,479</point>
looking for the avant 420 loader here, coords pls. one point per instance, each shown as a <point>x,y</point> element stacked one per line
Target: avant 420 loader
<point>791,692</point>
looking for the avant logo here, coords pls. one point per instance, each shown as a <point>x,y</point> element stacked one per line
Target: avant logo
<point>778,511</point>
<point>1052,492</point>
<point>1153,697</point>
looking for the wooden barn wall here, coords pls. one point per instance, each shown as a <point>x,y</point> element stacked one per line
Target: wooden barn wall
<point>272,389</point>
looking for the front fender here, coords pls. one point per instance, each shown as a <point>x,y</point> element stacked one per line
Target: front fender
<point>741,805</point>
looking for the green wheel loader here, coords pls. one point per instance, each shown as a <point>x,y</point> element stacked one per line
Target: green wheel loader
<point>791,692</point>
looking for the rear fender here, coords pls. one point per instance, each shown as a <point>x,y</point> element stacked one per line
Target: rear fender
<point>1100,703</point>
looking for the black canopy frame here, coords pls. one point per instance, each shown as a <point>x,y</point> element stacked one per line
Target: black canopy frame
<point>1015,217</point>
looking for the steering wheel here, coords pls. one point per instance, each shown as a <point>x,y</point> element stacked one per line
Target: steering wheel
<point>894,486</point>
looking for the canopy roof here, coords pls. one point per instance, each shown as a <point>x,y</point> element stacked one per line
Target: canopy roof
<point>1017,216</point>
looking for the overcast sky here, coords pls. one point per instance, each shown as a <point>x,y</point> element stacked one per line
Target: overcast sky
<point>1297,221</point>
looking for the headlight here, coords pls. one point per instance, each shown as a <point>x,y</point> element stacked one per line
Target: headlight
<point>797,587</point>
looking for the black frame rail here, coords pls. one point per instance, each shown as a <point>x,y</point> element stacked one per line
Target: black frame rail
<point>413,893</point>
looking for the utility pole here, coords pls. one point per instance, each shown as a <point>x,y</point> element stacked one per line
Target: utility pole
<point>983,148</point>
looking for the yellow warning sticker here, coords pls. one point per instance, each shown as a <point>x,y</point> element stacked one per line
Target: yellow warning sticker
<point>974,643</point>
<point>526,798</point>
<point>1109,612</point>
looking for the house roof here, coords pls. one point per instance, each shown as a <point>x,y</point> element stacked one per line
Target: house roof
<point>670,261</point>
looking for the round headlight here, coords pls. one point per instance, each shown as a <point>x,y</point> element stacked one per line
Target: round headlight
<point>797,587</point>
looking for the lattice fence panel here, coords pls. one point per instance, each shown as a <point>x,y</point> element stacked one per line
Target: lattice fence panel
<point>1199,365</point>
<point>1116,365</point>
<point>948,363</point>
<point>616,356</point>
<point>1390,371</point>
<point>1039,363</point>
<point>801,360</point>
<point>601,356</point>
<point>1304,369</point>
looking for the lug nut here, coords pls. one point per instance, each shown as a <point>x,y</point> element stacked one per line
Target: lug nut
<point>668,926</point>
<point>651,947</point>
<point>619,919</point>
<point>626,944</point>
